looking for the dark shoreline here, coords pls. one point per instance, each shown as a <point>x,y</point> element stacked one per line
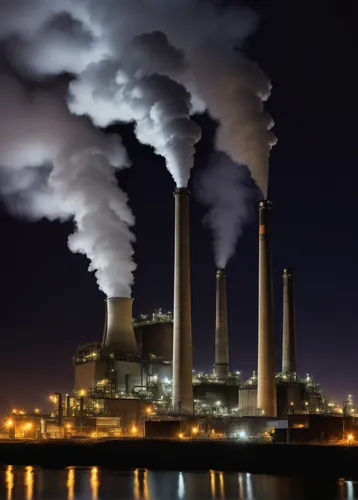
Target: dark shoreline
<point>288,460</point>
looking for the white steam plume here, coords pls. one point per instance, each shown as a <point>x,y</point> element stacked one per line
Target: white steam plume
<point>224,187</point>
<point>55,165</point>
<point>73,34</point>
<point>151,62</point>
<point>137,89</point>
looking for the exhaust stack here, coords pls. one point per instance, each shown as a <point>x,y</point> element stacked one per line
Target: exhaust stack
<point>182,389</point>
<point>221,334</point>
<point>266,366</point>
<point>118,330</point>
<point>288,332</point>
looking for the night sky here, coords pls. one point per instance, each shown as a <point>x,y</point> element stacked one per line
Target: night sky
<point>50,303</point>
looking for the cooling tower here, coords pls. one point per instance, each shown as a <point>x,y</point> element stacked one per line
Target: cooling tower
<point>266,366</point>
<point>288,331</point>
<point>221,335</point>
<point>182,388</point>
<point>118,331</point>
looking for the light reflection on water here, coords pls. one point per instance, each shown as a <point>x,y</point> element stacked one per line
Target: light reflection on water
<point>34,483</point>
<point>9,481</point>
<point>29,482</point>
<point>94,483</point>
<point>71,483</point>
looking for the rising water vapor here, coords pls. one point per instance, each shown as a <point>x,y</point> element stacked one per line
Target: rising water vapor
<point>55,165</point>
<point>153,63</point>
<point>112,45</point>
<point>141,91</point>
<point>224,187</point>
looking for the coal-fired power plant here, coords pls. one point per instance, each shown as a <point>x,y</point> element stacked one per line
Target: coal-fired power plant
<point>118,330</point>
<point>288,330</point>
<point>266,369</point>
<point>142,371</point>
<point>221,331</point>
<point>182,385</point>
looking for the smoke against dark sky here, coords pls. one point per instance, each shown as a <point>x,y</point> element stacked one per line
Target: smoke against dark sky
<point>227,190</point>
<point>56,165</point>
<point>150,62</point>
<point>219,78</point>
<point>138,89</point>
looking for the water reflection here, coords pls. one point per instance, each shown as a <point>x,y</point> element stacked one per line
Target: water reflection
<point>249,487</point>
<point>70,483</point>
<point>212,484</point>
<point>217,479</point>
<point>140,485</point>
<point>94,483</point>
<point>136,489</point>
<point>221,485</point>
<point>9,481</point>
<point>19,483</point>
<point>241,485</point>
<point>29,482</point>
<point>350,490</point>
<point>181,486</point>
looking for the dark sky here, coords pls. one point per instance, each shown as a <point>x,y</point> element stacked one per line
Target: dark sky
<point>50,303</point>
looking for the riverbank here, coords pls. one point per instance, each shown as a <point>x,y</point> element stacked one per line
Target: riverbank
<point>308,460</point>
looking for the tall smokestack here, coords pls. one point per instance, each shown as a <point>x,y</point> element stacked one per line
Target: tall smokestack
<point>118,332</point>
<point>221,335</point>
<point>288,332</point>
<point>266,385</point>
<point>182,389</point>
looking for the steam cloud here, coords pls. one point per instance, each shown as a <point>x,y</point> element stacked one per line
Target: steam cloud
<point>150,62</point>
<point>224,188</point>
<point>58,166</point>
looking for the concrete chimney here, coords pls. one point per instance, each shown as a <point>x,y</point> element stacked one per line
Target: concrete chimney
<point>288,331</point>
<point>221,335</point>
<point>182,388</point>
<point>118,332</point>
<point>266,366</point>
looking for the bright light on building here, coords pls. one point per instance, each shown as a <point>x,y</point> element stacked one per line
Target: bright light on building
<point>37,410</point>
<point>242,434</point>
<point>350,437</point>
<point>28,426</point>
<point>180,435</point>
<point>134,430</point>
<point>9,423</point>
<point>195,430</point>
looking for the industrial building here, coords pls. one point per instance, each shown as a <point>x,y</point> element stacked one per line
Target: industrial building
<point>147,362</point>
<point>110,370</point>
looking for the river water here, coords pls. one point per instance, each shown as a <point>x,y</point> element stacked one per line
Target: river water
<point>30,483</point>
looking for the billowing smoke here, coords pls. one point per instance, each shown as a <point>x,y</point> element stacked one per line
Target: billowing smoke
<point>153,63</point>
<point>224,187</point>
<point>56,165</point>
<point>138,89</point>
<point>121,52</point>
